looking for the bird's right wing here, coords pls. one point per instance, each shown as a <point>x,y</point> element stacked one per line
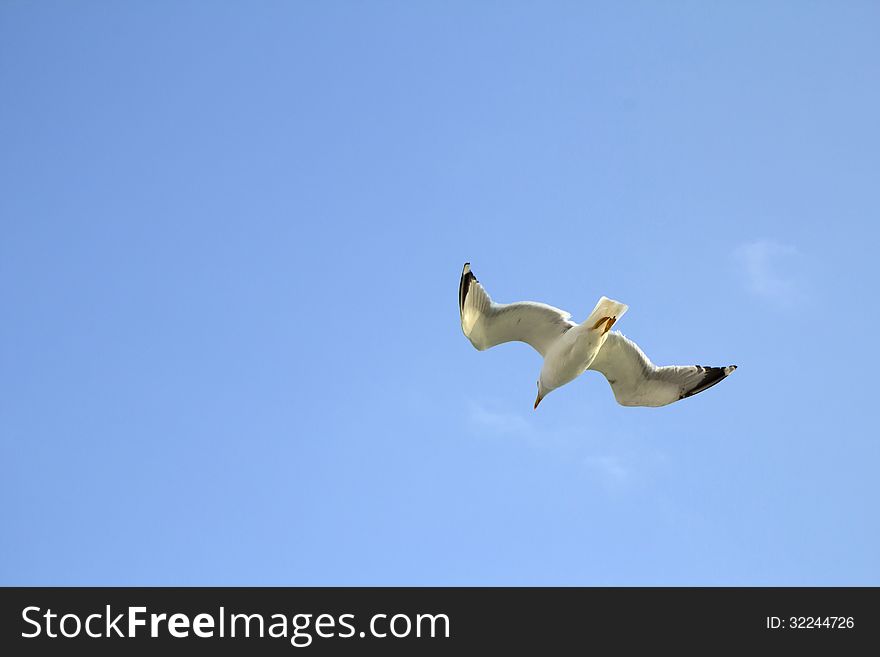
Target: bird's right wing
<point>636,381</point>
<point>486,323</point>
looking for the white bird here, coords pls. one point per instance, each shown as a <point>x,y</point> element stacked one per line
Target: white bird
<point>569,349</point>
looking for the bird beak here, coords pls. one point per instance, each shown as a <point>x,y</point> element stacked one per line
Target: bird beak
<point>538,400</point>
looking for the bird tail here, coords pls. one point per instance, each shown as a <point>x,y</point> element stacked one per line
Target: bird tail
<point>605,308</point>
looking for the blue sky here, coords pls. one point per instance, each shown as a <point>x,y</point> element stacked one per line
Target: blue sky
<point>232,234</point>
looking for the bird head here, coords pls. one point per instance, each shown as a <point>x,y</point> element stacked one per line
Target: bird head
<point>542,391</point>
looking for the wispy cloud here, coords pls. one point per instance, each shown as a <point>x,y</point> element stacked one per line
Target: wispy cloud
<point>498,423</point>
<point>609,467</point>
<point>610,471</point>
<point>767,269</point>
<point>609,464</point>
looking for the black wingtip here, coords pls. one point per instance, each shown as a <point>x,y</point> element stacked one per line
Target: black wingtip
<point>713,375</point>
<point>466,277</point>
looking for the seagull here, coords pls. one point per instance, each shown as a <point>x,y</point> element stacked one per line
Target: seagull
<point>570,349</point>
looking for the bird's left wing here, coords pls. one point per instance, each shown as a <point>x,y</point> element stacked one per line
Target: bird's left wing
<point>636,381</point>
<point>486,323</point>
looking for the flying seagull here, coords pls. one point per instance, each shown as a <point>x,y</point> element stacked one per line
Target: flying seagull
<point>569,349</point>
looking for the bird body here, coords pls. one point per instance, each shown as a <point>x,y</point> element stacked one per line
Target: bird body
<point>572,353</point>
<point>569,349</point>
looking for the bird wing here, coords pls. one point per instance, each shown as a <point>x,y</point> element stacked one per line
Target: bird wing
<point>636,381</point>
<point>486,323</point>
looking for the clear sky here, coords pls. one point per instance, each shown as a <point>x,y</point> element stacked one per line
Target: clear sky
<point>232,235</point>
